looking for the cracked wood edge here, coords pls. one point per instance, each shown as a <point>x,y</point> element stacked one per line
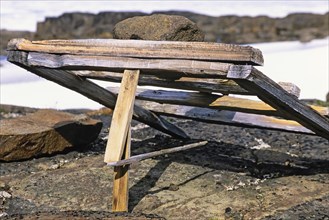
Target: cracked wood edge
<point>122,116</point>
<point>145,49</point>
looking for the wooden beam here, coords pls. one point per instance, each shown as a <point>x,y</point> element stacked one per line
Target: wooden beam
<point>207,100</point>
<point>223,86</point>
<point>140,157</point>
<point>224,117</point>
<point>121,181</point>
<point>252,79</point>
<point>173,68</point>
<point>96,93</point>
<point>145,49</point>
<point>122,116</point>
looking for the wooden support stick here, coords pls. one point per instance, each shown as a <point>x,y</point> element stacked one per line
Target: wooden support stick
<point>270,92</point>
<point>140,157</point>
<point>120,184</point>
<point>225,117</point>
<point>213,101</point>
<point>223,86</point>
<point>122,116</point>
<point>94,92</point>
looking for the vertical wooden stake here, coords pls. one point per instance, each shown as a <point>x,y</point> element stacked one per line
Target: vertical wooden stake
<point>121,184</point>
<point>122,116</point>
<point>118,145</point>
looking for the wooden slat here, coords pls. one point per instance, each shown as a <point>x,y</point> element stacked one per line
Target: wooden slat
<point>172,68</point>
<point>145,49</point>
<point>290,88</point>
<point>223,86</point>
<point>226,117</point>
<point>270,92</point>
<point>122,116</point>
<point>210,101</point>
<point>140,157</point>
<point>120,184</point>
<point>96,93</point>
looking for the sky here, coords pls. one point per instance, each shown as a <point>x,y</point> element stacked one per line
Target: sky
<point>23,15</point>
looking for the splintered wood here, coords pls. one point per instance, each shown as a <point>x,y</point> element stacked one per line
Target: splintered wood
<point>212,69</point>
<point>143,49</point>
<point>122,116</point>
<point>119,140</point>
<point>121,184</point>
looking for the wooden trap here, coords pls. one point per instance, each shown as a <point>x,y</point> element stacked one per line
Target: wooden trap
<point>205,77</point>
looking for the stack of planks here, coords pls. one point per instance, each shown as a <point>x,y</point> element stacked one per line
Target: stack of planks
<point>208,73</point>
<point>200,81</point>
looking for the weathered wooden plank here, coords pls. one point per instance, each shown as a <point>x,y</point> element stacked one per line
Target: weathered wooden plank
<point>223,86</point>
<point>270,92</point>
<point>145,49</point>
<point>290,88</point>
<point>140,157</point>
<point>121,181</point>
<point>170,67</point>
<point>122,116</point>
<point>210,101</point>
<point>96,93</point>
<point>226,117</point>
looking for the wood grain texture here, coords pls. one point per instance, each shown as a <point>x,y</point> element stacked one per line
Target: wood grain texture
<point>121,180</point>
<point>95,92</point>
<point>223,86</point>
<point>140,157</point>
<point>173,68</point>
<point>224,117</point>
<point>246,76</point>
<point>122,116</point>
<point>270,92</point>
<point>208,100</point>
<point>145,49</point>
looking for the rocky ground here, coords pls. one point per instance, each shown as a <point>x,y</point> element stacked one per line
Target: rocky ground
<point>240,174</point>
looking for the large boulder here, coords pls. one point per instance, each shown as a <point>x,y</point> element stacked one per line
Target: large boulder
<point>158,27</point>
<point>45,132</point>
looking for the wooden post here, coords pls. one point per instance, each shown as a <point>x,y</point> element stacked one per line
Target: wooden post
<point>118,145</point>
<point>122,116</point>
<point>120,184</point>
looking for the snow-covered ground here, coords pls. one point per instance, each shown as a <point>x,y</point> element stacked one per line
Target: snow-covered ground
<point>24,15</point>
<point>305,65</point>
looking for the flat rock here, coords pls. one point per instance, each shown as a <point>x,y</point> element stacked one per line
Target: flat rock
<point>45,132</point>
<point>158,27</point>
